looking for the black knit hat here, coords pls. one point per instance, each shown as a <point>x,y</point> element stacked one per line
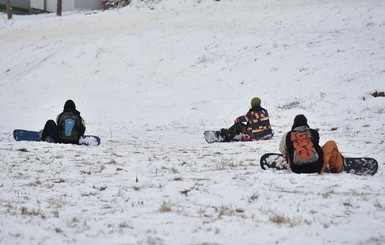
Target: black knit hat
<point>69,105</point>
<point>300,120</point>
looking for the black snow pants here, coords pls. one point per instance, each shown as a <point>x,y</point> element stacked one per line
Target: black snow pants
<point>229,134</point>
<point>50,132</point>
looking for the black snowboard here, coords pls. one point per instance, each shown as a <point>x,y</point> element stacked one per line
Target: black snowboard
<point>352,165</point>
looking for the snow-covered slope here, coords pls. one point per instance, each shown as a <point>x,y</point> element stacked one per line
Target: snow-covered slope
<point>149,80</point>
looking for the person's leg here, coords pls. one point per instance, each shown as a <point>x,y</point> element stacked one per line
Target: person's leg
<point>229,134</point>
<point>50,130</point>
<point>332,156</point>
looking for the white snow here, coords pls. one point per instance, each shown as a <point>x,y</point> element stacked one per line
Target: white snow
<point>149,79</point>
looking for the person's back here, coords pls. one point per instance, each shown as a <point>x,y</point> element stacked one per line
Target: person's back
<point>257,121</point>
<point>304,154</point>
<point>258,124</point>
<point>70,124</point>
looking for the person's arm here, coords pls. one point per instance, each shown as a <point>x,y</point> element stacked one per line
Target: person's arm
<point>315,135</point>
<point>282,144</point>
<point>82,127</point>
<point>242,119</point>
<point>58,118</point>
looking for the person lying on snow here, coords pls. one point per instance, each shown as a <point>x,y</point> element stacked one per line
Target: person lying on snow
<point>255,125</point>
<point>304,154</point>
<point>70,126</point>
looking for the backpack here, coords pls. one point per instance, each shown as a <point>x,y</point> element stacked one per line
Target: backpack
<point>69,124</point>
<point>304,151</point>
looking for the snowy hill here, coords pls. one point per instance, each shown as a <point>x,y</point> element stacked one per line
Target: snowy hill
<point>149,80</point>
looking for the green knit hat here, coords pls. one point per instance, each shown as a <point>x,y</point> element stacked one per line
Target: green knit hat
<point>255,102</point>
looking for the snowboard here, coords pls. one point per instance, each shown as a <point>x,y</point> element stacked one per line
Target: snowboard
<point>352,165</point>
<point>27,135</point>
<point>212,136</point>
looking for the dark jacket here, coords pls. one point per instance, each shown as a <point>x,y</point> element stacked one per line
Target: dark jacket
<point>258,124</point>
<point>81,125</point>
<point>315,167</point>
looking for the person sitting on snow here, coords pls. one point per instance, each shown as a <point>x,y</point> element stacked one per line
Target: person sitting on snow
<point>70,126</point>
<point>304,154</point>
<point>255,125</point>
